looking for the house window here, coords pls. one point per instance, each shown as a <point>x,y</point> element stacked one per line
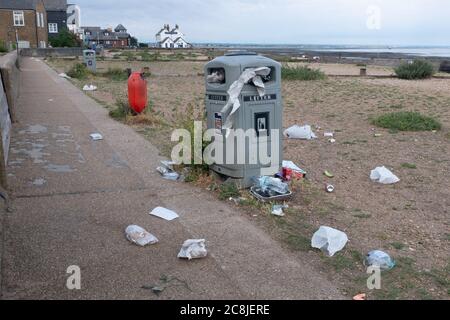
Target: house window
<point>19,20</point>
<point>38,21</point>
<point>42,20</point>
<point>52,28</point>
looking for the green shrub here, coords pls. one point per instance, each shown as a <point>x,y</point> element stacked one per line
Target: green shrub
<point>116,74</point>
<point>301,73</point>
<point>419,69</point>
<point>228,190</point>
<point>407,121</point>
<point>3,47</point>
<point>78,71</point>
<point>65,38</point>
<point>129,56</point>
<point>121,111</point>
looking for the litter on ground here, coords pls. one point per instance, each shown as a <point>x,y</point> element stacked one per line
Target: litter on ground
<point>384,176</point>
<point>297,132</point>
<point>167,171</point>
<point>277,210</point>
<point>96,136</point>
<point>193,249</point>
<point>140,236</point>
<point>297,170</point>
<point>379,259</point>
<point>328,135</point>
<point>360,297</point>
<point>63,75</point>
<point>89,88</point>
<point>164,213</point>
<point>328,174</point>
<point>329,240</point>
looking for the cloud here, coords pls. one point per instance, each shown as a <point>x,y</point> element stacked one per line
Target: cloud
<point>278,21</point>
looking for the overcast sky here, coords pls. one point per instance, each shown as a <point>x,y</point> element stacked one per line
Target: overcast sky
<point>377,22</point>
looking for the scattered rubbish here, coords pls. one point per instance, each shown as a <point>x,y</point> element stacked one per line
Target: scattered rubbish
<point>268,196</point>
<point>89,88</point>
<point>297,132</point>
<point>360,297</point>
<point>384,176</point>
<point>50,100</point>
<point>277,210</point>
<point>167,171</point>
<point>164,213</point>
<point>96,137</point>
<point>39,182</point>
<point>140,236</point>
<point>380,259</point>
<point>63,75</point>
<point>272,185</point>
<point>377,135</point>
<point>295,172</point>
<point>166,282</point>
<point>329,240</point>
<point>330,188</point>
<point>332,140</point>
<point>328,135</point>
<point>238,201</point>
<point>328,174</point>
<point>252,74</point>
<point>216,77</point>
<point>193,249</point>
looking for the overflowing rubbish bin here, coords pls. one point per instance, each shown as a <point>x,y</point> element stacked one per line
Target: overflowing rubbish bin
<point>243,94</point>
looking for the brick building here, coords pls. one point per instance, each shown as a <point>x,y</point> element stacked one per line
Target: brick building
<point>108,38</point>
<point>25,18</point>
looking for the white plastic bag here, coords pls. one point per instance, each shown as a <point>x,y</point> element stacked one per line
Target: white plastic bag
<point>140,236</point>
<point>329,240</point>
<point>297,132</point>
<point>89,88</point>
<point>379,259</point>
<point>193,249</point>
<point>383,176</point>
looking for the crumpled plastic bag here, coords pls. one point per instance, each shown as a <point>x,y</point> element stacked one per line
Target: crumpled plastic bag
<point>253,74</point>
<point>297,132</point>
<point>216,77</point>
<point>380,259</point>
<point>64,75</point>
<point>89,88</point>
<point>383,176</point>
<point>140,236</point>
<point>193,249</point>
<point>329,240</point>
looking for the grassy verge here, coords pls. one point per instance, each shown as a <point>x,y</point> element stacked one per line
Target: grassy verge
<point>407,121</point>
<point>302,73</point>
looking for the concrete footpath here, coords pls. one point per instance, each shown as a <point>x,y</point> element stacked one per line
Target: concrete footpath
<point>73,199</point>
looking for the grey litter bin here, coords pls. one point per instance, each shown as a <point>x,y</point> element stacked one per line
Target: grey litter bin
<point>260,113</point>
<point>89,59</point>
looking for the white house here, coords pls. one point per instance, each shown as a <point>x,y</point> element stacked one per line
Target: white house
<point>171,38</point>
